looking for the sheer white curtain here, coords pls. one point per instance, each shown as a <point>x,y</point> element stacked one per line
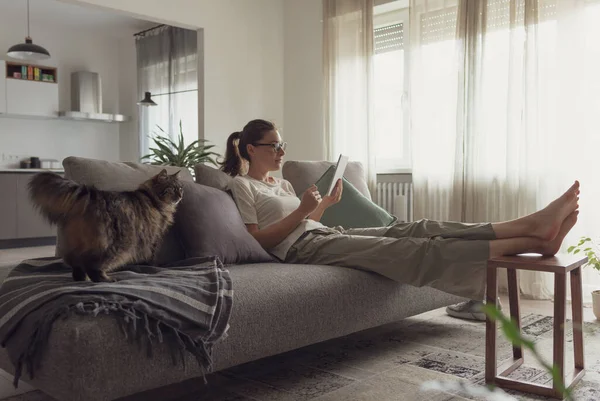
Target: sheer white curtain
<point>504,112</point>
<point>570,110</point>
<point>436,138</point>
<point>503,169</point>
<point>348,70</point>
<point>167,67</point>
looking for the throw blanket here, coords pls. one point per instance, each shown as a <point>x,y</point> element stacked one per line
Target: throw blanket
<point>187,305</point>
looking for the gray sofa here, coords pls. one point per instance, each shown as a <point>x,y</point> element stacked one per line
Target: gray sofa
<point>89,359</point>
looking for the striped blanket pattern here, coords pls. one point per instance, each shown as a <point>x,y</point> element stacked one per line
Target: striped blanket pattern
<point>186,305</point>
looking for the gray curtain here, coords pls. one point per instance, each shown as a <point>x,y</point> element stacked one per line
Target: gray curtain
<point>167,66</point>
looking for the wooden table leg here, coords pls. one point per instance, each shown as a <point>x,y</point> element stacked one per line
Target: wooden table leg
<point>560,297</point>
<point>513,299</point>
<point>577,305</point>
<point>490,326</point>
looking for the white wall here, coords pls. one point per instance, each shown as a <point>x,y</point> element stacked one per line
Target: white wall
<point>243,55</point>
<point>56,139</point>
<point>127,102</point>
<point>71,50</point>
<point>303,80</point>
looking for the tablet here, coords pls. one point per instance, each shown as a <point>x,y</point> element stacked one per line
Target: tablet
<point>339,172</point>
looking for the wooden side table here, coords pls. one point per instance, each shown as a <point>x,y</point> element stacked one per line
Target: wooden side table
<point>560,266</point>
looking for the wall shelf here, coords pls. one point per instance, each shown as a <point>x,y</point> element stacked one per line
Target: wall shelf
<point>31,80</point>
<point>57,117</point>
<point>24,99</point>
<point>34,72</point>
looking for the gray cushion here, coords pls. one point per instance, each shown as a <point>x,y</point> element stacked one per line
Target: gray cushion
<point>277,307</point>
<point>209,224</point>
<point>302,174</point>
<point>123,176</point>
<point>115,176</point>
<point>170,250</point>
<point>212,177</point>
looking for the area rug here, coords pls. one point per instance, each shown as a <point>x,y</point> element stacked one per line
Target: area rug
<point>391,362</point>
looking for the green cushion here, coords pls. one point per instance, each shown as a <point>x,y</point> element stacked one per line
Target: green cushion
<point>354,210</point>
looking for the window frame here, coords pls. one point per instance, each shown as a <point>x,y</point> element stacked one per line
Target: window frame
<point>383,16</point>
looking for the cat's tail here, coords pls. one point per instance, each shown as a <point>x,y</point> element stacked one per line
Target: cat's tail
<point>56,197</point>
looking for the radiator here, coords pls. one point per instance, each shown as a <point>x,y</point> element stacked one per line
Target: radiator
<point>394,194</point>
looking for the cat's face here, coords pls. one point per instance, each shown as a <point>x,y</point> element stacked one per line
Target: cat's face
<point>167,187</point>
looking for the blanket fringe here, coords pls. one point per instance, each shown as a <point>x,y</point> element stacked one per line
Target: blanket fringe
<point>127,318</point>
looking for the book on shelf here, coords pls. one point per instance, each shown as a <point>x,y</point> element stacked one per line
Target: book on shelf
<point>31,72</point>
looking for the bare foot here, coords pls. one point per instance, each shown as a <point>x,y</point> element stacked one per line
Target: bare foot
<point>547,222</point>
<point>550,248</point>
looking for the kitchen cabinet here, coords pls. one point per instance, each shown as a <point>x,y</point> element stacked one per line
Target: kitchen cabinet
<point>2,88</point>
<point>18,218</point>
<point>32,98</point>
<point>30,223</point>
<point>8,206</point>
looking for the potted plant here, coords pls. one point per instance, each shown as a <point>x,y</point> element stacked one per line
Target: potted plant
<point>170,153</point>
<point>591,249</point>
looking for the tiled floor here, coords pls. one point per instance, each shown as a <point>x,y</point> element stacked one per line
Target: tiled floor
<point>359,367</point>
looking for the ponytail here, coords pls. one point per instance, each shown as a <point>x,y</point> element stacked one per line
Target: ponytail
<point>236,153</point>
<point>232,164</point>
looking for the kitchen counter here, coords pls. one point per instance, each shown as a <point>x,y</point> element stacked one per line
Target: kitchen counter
<point>30,170</point>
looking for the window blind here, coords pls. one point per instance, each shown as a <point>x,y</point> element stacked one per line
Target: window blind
<point>438,25</point>
<point>499,13</point>
<point>441,24</point>
<point>389,38</point>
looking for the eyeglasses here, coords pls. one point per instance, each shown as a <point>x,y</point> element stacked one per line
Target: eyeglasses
<point>276,146</point>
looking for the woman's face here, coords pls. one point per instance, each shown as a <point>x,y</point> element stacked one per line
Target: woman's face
<point>268,152</point>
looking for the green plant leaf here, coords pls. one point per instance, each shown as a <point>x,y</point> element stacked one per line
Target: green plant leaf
<point>164,147</point>
<point>174,152</point>
<point>570,249</point>
<point>180,147</point>
<point>191,147</point>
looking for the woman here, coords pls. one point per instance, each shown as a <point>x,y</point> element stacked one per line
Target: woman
<point>449,256</point>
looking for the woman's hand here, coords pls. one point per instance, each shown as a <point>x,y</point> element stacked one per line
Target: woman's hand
<point>329,200</point>
<point>335,197</point>
<point>310,200</point>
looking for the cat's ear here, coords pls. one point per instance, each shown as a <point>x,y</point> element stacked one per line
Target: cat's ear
<point>162,175</point>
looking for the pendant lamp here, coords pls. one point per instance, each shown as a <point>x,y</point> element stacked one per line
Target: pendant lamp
<point>27,50</point>
<point>147,100</point>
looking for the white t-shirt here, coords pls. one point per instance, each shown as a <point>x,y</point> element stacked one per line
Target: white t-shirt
<point>265,203</point>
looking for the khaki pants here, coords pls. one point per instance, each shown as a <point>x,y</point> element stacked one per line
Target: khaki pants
<point>448,256</point>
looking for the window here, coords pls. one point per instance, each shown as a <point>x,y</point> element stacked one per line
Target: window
<point>175,90</point>
<point>389,80</point>
<point>167,66</point>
